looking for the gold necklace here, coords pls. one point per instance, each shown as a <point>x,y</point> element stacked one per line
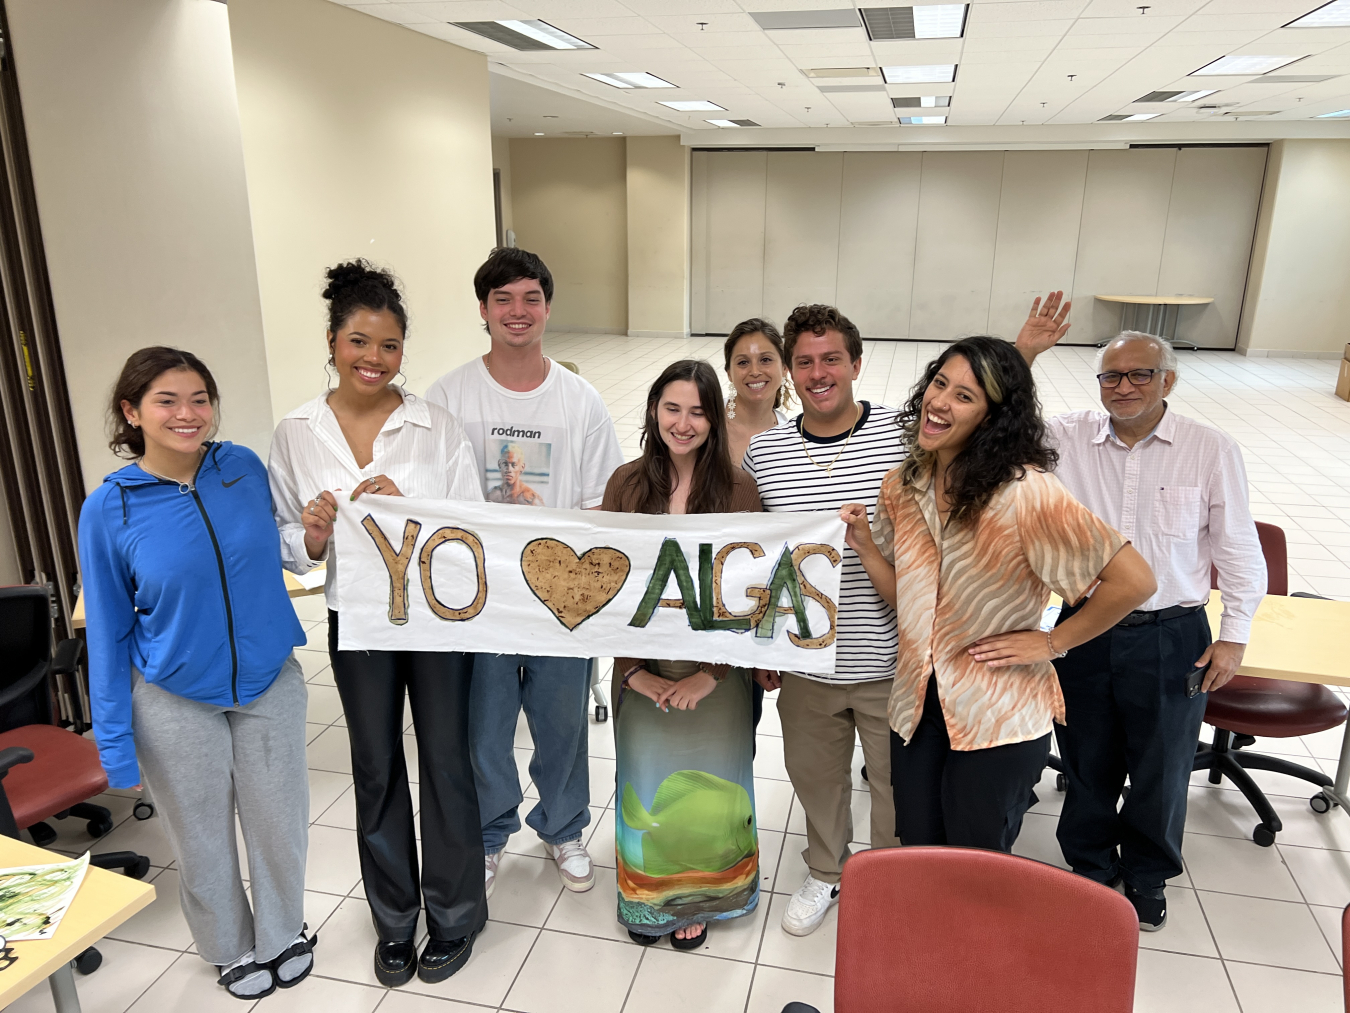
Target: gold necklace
<point>801,435</point>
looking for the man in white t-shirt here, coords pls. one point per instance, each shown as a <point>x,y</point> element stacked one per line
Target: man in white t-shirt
<point>543,437</point>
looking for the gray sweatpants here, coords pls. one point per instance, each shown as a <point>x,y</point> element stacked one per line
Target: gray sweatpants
<point>201,760</point>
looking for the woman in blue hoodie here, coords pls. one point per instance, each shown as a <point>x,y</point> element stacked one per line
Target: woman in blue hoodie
<point>195,690</point>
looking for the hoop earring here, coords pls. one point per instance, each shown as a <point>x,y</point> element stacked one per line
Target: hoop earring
<point>731,407</point>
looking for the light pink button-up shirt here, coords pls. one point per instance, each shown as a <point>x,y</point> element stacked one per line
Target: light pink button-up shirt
<point>1180,496</point>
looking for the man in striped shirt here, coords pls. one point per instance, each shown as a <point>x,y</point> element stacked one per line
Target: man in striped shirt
<point>837,451</point>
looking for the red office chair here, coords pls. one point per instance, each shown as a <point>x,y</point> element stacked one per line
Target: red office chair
<point>46,771</point>
<point>941,930</point>
<point>1274,708</point>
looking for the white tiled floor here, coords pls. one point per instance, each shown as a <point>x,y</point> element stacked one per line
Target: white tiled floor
<point>1250,929</point>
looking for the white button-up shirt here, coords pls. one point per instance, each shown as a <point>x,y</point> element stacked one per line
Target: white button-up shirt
<point>1180,496</point>
<point>421,447</point>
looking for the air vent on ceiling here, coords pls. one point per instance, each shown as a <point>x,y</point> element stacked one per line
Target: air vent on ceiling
<point>526,36</point>
<point>931,21</point>
<point>922,101</point>
<point>1158,96</point>
<point>745,123</point>
<point>837,72</point>
<point>773,21</point>
<point>1293,78</point>
<point>836,89</point>
<point>1114,118</point>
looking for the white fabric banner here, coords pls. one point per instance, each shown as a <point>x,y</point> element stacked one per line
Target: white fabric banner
<point>755,590</point>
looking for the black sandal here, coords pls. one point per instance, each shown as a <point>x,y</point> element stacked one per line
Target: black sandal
<point>642,940</point>
<point>297,949</point>
<point>235,974</point>
<point>690,944</point>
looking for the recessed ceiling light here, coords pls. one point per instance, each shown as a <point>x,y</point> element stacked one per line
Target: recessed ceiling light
<point>931,21</point>
<point>1175,96</point>
<point>920,74</point>
<point>699,106</point>
<point>538,133</point>
<point>723,123</point>
<point>529,35</point>
<point>1339,114</point>
<point>631,79</point>
<point>1113,118</point>
<point>922,120</point>
<point>618,133</point>
<point>1333,15</point>
<point>1136,117</point>
<point>1244,66</point>
<point>841,72</point>
<point>922,101</point>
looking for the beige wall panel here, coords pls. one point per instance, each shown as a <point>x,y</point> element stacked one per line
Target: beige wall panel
<point>133,130</point>
<point>879,218</point>
<point>1302,304</point>
<point>1216,193</point>
<point>698,241</point>
<point>390,161</point>
<point>658,237</point>
<point>1039,217</point>
<point>501,162</point>
<point>801,230</point>
<point>1121,240</point>
<point>733,222</point>
<point>954,252</point>
<point>569,202</point>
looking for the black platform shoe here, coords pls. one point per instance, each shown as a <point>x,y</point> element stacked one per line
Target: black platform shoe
<point>440,958</point>
<point>395,963</point>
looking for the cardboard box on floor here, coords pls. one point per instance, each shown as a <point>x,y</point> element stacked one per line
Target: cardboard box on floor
<point>1343,381</point>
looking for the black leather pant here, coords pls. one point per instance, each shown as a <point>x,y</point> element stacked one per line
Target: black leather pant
<point>372,686</point>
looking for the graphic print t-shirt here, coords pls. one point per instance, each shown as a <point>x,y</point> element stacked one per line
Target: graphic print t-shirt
<point>552,446</point>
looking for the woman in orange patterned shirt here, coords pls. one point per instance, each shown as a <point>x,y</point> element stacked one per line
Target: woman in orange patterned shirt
<point>971,535</point>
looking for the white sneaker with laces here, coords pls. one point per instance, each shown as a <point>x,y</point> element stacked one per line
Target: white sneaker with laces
<point>808,906</point>
<point>574,865</point>
<point>490,863</point>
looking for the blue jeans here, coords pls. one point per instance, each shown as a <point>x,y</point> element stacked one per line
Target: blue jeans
<point>553,693</point>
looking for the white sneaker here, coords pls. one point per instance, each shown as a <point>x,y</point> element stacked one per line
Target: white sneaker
<point>574,865</point>
<point>808,906</point>
<point>490,863</point>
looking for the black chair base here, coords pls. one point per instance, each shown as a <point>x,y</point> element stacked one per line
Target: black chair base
<point>134,865</point>
<point>1222,761</point>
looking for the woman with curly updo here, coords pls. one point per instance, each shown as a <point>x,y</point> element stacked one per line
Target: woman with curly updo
<point>971,535</point>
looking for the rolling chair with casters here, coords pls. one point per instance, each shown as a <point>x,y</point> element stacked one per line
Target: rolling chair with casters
<point>1274,708</point>
<point>46,771</point>
<point>943,929</point>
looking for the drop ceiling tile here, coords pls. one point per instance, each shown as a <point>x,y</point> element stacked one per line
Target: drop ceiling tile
<point>917,51</point>
<point>817,36</point>
<point>717,23</point>
<point>1130,9</point>
<point>591,29</point>
<point>1005,56</point>
<point>701,41</point>
<point>548,9</point>
<point>1216,43</point>
<point>1207,22</point>
<point>998,31</point>
<point>1115,40</point>
<point>396,13</point>
<point>1136,26</point>
<point>1023,10</point>
<point>671,7</point>
<point>1293,7</point>
<point>471,10</point>
<point>816,56</point>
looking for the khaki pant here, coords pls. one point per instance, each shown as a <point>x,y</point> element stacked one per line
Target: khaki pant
<point>819,722</point>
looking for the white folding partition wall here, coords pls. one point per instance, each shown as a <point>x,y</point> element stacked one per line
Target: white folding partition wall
<point>932,245</point>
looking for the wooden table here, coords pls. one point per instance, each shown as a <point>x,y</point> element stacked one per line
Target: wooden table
<point>1158,305</point>
<point>104,901</point>
<point>1301,640</point>
<point>294,589</point>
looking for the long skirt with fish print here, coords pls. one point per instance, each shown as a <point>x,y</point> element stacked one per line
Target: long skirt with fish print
<point>685,834</point>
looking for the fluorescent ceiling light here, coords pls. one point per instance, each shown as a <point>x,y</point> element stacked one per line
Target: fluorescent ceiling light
<point>699,106</point>
<point>1244,66</point>
<point>1192,96</point>
<point>1136,117</point>
<point>920,120</point>
<point>925,74</point>
<point>631,79</point>
<point>1339,114</point>
<point>841,72</point>
<point>932,21</point>
<point>524,35</point>
<point>1333,15</point>
<point>922,101</point>
<point>723,123</point>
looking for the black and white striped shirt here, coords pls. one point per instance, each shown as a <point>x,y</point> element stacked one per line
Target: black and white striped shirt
<point>866,641</point>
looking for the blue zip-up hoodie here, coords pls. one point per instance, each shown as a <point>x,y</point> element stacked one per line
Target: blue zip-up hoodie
<point>187,587</point>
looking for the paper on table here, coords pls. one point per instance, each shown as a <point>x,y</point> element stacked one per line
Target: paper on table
<point>34,898</point>
<point>315,578</point>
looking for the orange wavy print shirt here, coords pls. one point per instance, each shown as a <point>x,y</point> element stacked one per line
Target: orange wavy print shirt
<point>974,580</point>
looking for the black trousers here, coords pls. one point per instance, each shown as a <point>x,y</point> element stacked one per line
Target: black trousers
<point>966,798</point>
<point>372,686</point>
<point>1127,713</point>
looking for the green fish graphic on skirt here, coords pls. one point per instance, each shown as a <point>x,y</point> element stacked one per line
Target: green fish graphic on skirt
<point>698,822</point>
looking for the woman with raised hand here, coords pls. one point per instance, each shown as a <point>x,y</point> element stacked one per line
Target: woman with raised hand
<point>684,830</point>
<point>368,436</point>
<point>753,354</point>
<point>194,686</point>
<point>971,535</point>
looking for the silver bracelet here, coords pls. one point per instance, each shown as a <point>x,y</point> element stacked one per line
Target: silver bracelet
<point>1051,644</point>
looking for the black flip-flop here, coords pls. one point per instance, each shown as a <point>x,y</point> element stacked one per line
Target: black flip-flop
<point>642,940</point>
<point>243,971</point>
<point>297,949</point>
<point>689,944</point>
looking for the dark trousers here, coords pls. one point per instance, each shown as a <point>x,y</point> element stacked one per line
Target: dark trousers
<point>1127,712</point>
<point>756,712</point>
<point>966,798</point>
<point>372,686</point>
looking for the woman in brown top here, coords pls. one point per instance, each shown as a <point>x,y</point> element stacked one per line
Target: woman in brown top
<point>684,834</point>
<point>971,535</point>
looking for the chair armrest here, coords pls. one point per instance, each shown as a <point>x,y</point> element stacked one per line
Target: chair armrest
<point>1309,594</point>
<point>22,687</point>
<point>67,656</point>
<point>12,757</point>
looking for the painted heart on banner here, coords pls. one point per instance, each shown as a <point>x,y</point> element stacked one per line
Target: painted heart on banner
<point>573,587</point>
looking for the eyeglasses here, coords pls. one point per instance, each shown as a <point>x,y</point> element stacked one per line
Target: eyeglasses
<point>1138,377</point>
